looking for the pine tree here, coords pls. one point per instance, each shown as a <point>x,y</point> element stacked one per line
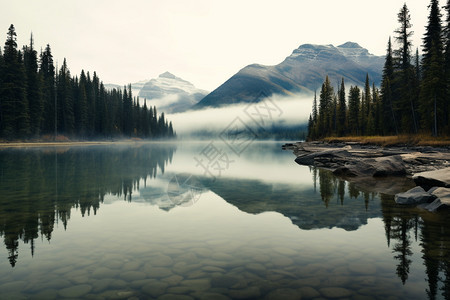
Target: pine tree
<point>1,83</point>
<point>342,110</point>
<point>388,117</point>
<point>314,108</point>
<point>310,135</point>
<point>47,73</point>
<point>127,112</point>
<point>162,125</point>
<point>325,108</point>
<point>90,99</point>
<point>362,114</point>
<point>14,104</point>
<point>137,117</point>
<point>402,84</point>
<point>447,65</point>
<point>66,121</point>
<point>403,54</point>
<point>315,118</point>
<point>354,100</point>
<point>95,104</point>
<point>145,120</point>
<point>102,110</point>
<point>365,107</point>
<point>154,122</point>
<point>416,86</point>
<point>376,100</point>
<point>171,132</point>
<point>34,89</point>
<point>334,108</point>
<point>80,106</point>
<point>432,91</point>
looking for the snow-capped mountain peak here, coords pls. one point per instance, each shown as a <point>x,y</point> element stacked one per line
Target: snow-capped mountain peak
<point>170,93</point>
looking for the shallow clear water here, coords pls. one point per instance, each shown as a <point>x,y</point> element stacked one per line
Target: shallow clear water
<point>201,221</point>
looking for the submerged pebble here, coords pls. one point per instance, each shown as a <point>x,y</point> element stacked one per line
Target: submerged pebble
<point>76,291</point>
<point>285,294</point>
<point>335,292</point>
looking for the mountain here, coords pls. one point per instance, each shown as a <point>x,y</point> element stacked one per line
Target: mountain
<point>302,72</point>
<point>171,94</point>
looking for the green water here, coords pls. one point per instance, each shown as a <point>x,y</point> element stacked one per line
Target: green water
<point>199,221</point>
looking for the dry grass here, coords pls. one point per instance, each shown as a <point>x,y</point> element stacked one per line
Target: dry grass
<point>401,140</point>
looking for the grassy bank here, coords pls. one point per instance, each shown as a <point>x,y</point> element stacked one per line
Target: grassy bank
<point>400,140</point>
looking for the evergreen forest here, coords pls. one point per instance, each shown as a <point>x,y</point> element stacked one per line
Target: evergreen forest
<point>37,100</point>
<point>414,96</point>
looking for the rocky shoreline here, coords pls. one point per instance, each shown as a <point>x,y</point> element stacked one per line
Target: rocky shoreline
<point>390,170</point>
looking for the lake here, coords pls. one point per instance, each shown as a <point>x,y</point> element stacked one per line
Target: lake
<point>207,220</point>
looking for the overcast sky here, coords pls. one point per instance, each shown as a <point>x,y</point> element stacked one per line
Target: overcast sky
<point>202,41</point>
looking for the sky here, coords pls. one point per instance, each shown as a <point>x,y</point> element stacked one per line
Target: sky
<point>202,41</point>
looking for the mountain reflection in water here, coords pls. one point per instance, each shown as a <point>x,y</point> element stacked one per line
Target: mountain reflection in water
<point>40,188</point>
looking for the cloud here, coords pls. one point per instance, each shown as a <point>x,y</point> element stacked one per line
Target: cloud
<point>163,102</point>
<point>272,111</point>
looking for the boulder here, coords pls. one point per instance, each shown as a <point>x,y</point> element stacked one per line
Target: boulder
<point>442,198</point>
<point>415,195</point>
<point>389,166</point>
<point>439,178</point>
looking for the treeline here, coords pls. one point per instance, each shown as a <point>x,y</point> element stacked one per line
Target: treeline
<point>414,96</point>
<point>37,100</point>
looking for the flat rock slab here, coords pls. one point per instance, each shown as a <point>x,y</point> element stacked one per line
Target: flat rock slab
<point>310,158</point>
<point>374,167</point>
<point>439,178</point>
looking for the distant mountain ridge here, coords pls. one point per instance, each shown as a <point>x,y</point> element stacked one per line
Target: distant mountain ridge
<point>169,93</point>
<point>302,72</point>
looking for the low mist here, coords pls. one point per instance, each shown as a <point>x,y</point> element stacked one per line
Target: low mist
<point>269,113</point>
<point>163,102</point>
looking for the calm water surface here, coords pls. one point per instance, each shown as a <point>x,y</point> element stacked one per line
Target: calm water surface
<point>201,221</point>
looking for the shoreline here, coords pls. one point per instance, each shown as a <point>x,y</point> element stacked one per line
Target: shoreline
<point>37,144</point>
<point>376,168</point>
<point>415,158</point>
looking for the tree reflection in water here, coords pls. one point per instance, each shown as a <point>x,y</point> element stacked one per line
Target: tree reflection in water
<point>402,225</point>
<point>39,187</point>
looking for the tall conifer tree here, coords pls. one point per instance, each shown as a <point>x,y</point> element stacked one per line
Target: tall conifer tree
<point>432,96</point>
<point>389,119</point>
<point>403,81</point>
<point>1,83</point>
<point>325,108</point>
<point>34,88</point>
<point>47,73</point>
<point>66,121</point>
<point>342,110</point>
<point>354,100</point>
<point>80,106</point>
<point>14,104</point>
<point>447,63</point>
<point>127,112</point>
